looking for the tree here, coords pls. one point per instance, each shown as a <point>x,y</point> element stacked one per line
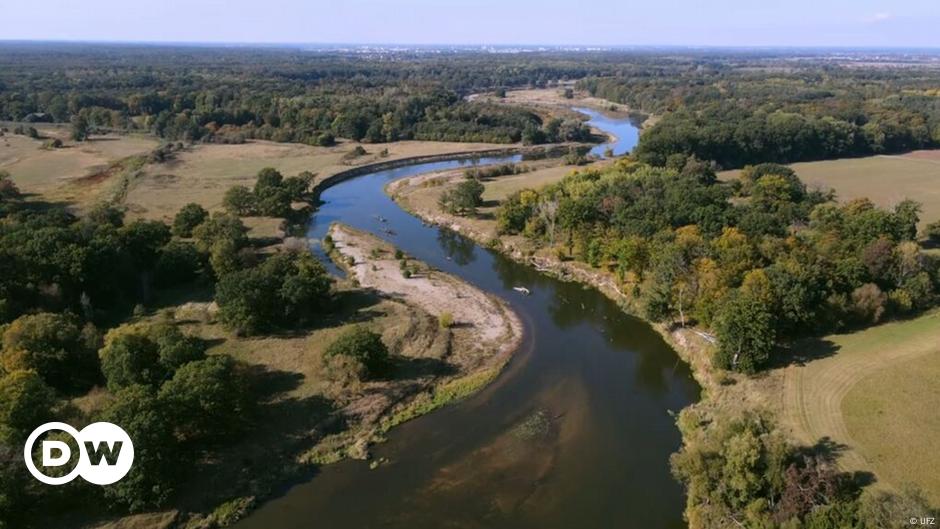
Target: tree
<point>239,200</point>
<point>8,189</point>
<point>207,398</point>
<point>179,263</point>
<point>464,198</point>
<point>548,212</point>
<point>363,346</point>
<point>80,127</point>
<point>933,232</point>
<point>219,227</point>
<point>25,403</point>
<point>55,346</point>
<point>188,217</point>
<point>158,459</point>
<point>746,334</point>
<point>130,358</point>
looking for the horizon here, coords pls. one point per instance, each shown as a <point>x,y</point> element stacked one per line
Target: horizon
<point>481,46</point>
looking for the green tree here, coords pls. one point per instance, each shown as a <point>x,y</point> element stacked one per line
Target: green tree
<point>179,263</point>
<point>464,199</point>
<point>188,217</point>
<point>364,346</point>
<point>130,357</point>
<point>56,346</point>
<point>220,227</point>
<point>239,200</point>
<point>746,333</point>
<point>80,127</point>
<point>206,398</point>
<point>159,460</point>
<point>25,403</point>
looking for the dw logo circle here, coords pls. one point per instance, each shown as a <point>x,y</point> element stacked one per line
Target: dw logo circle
<point>105,453</point>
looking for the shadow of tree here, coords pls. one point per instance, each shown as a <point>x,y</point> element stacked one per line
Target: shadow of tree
<point>264,459</point>
<point>804,351</point>
<point>407,368</point>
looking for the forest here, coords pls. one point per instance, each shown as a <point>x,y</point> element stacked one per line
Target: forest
<point>760,261</point>
<point>737,116</point>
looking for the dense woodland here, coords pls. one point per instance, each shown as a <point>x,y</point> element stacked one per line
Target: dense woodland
<point>205,94</point>
<point>760,261</point>
<point>739,116</point>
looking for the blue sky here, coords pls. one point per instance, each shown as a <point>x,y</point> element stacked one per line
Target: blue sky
<point>876,23</point>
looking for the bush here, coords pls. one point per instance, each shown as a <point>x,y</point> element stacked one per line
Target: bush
<point>188,217</point>
<point>933,231</point>
<point>445,320</point>
<point>364,346</point>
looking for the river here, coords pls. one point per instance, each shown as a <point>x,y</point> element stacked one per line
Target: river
<point>576,433</point>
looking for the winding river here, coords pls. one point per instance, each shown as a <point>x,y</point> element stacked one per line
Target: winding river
<point>576,433</point>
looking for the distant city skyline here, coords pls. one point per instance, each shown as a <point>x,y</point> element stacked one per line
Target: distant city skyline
<point>606,23</point>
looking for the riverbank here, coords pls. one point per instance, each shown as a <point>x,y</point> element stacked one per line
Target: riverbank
<point>722,391</point>
<point>483,331</point>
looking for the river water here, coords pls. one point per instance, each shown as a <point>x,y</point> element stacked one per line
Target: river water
<point>576,433</point>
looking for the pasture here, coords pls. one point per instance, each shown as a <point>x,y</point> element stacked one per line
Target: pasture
<point>67,174</point>
<point>874,392</point>
<point>886,180</point>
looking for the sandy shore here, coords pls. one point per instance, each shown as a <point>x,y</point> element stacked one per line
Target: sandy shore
<point>484,330</point>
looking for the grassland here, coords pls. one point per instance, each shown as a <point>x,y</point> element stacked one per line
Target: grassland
<point>77,173</point>
<point>203,173</point>
<point>886,180</point>
<point>874,393</point>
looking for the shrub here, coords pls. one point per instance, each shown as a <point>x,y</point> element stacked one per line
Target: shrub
<point>445,320</point>
<point>365,346</point>
<point>933,231</point>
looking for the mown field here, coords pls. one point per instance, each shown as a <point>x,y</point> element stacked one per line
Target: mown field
<point>886,180</point>
<point>873,392</point>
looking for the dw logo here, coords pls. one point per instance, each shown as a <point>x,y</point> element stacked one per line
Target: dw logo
<point>105,453</point>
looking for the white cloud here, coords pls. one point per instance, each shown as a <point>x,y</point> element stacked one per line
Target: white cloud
<point>879,17</point>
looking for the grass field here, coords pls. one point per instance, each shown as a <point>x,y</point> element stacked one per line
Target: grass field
<point>874,392</point>
<point>57,174</point>
<point>886,180</point>
<point>500,188</point>
<point>203,173</point>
